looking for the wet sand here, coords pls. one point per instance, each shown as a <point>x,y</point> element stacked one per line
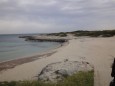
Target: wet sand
<point>13,63</point>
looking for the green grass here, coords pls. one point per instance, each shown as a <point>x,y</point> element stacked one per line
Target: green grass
<point>78,79</point>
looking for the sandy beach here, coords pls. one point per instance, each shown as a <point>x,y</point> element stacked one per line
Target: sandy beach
<point>97,51</point>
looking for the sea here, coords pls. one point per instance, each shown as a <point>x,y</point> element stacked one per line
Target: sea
<point>13,47</point>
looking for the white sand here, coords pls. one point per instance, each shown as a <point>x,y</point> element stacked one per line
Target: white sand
<point>97,51</point>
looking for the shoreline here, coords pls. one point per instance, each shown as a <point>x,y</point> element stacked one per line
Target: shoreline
<point>13,63</point>
<point>9,64</point>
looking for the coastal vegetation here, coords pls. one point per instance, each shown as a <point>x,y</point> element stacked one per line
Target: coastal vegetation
<point>51,37</point>
<point>78,79</point>
<point>61,34</point>
<point>103,33</point>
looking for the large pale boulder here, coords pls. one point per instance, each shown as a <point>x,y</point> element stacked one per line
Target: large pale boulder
<point>60,70</point>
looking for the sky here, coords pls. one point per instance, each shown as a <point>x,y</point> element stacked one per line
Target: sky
<point>44,16</point>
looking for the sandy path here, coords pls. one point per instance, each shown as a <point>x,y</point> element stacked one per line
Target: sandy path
<point>97,51</point>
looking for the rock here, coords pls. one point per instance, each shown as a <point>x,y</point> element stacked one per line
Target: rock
<point>57,71</point>
<point>62,72</point>
<point>66,60</point>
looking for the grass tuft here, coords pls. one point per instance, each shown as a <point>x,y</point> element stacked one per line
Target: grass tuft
<point>78,79</point>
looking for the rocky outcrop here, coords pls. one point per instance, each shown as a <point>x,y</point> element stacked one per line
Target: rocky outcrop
<point>58,71</point>
<point>44,38</point>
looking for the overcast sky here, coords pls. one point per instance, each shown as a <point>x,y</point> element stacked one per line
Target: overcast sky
<point>38,16</point>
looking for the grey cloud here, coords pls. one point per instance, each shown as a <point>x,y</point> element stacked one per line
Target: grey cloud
<point>56,15</point>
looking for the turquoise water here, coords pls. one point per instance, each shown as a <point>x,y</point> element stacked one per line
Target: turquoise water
<point>12,47</point>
